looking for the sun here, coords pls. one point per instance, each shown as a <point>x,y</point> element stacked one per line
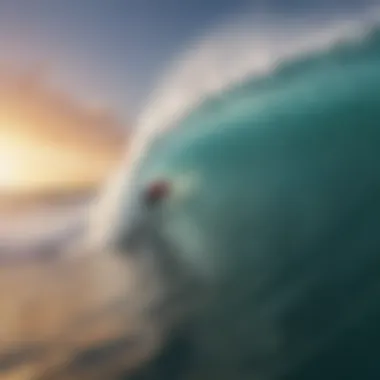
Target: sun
<point>9,162</point>
<point>6,173</point>
<point>18,165</point>
<point>24,165</point>
<point>30,164</point>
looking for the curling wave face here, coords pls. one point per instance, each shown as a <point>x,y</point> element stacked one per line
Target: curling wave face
<point>244,48</point>
<point>277,218</point>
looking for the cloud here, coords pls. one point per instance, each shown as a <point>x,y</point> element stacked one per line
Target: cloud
<point>27,95</point>
<point>52,139</point>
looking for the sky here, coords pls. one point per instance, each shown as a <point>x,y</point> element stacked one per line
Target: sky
<point>114,51</point>
<point>50,141</point>
<point>106,51</point>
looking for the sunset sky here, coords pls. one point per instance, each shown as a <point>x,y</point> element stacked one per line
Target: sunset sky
<point>51,142</point>
<point>91,65</point>
<point>73,74</point>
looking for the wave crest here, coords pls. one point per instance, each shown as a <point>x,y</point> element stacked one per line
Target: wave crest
<point>252,45</point>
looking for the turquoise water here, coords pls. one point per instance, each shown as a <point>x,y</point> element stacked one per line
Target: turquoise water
<point>281,211</point>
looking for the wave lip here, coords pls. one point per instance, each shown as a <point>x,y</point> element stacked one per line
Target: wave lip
<point>235,52</point>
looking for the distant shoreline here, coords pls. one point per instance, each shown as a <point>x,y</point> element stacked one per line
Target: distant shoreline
<point>15,203</point>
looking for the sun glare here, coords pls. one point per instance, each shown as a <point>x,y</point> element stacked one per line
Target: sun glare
<point>9,161</point>
<point>49,143</point>
<point>6,171</point>
<point>29,165</point>
<point>17,162</point>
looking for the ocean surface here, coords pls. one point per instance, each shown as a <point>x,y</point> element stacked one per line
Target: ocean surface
<point>40,231</point>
